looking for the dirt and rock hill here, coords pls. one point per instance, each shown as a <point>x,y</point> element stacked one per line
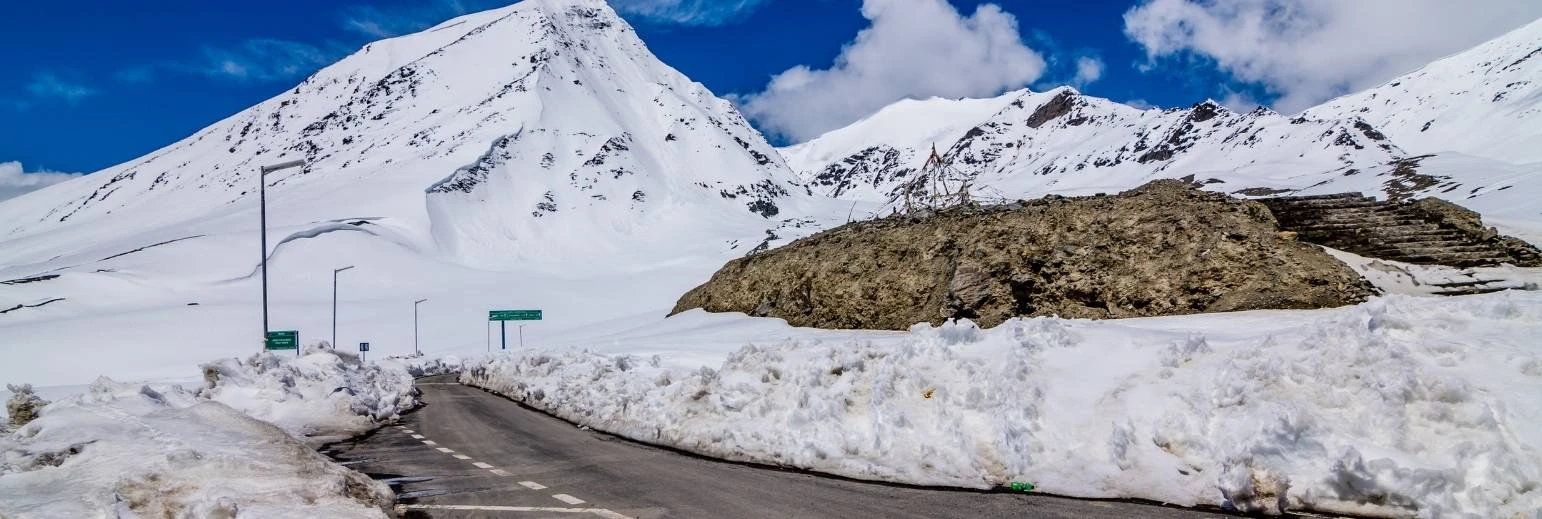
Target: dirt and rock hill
<point>1161,249</point>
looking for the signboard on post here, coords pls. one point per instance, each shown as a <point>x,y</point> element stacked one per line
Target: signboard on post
<point>363,350</point>
<point>286,340</point>
<point>514,315</point>
<point>504,316</point>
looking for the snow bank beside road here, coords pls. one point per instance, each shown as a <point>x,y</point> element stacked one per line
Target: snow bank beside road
<point>1401,405</point>
<point>419,365</point>
<point>323,396</point>
<point>229,449</point>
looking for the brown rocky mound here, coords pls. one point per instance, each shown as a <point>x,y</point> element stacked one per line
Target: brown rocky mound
<point>1161,249</point>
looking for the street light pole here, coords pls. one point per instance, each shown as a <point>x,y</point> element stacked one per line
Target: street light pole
<point>262,196</point>
<point>334,303</point>
<point>415,325</point>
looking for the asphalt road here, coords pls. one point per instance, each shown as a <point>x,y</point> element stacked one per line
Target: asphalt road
<point>470,453</point>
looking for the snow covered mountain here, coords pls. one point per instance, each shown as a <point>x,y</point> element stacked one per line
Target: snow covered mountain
<point>1483,102</point>
<point>904,132</point>
<point>488,157</point>
<point>1064,142</point>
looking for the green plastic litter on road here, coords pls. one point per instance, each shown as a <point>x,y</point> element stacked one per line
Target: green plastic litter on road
<point>1020,486</point>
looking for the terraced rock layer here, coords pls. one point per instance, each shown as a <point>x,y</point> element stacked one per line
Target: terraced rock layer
<point>1428,231</point>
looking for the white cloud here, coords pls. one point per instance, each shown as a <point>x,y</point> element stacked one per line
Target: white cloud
<point>688,12</point>
<point>1239,101</point>
<point>1309,51</point>
<point>1088,70</point>
<point>263,59</point>
<point>48,85</point>
<point>912,49</point>
<point>1140,104</point>
<point>14,181</point>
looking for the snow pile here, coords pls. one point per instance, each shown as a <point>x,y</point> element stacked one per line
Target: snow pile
<point>233,448</point>
<point>22,407</point>
<point>322,396</point>
<point>1399,406</point>
<point>419,365</point>
<point>143,451</point>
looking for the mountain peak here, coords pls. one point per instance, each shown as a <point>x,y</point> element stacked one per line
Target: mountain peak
<point>529,120</point>
<point>1481,102</point>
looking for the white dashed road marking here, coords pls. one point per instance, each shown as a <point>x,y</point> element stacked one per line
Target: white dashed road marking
<point>485,508</point>
<point>527,484</point>
<point>408,431</point>
<point>568,499</point>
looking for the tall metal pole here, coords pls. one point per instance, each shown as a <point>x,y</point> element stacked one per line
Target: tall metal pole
<point>521,337</point>
<point>415,325</point>
<point>503,335</point>
<point>334,304</point>
<point>262,197</point>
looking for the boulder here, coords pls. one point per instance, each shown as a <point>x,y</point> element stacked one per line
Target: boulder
<point>1162,249</point>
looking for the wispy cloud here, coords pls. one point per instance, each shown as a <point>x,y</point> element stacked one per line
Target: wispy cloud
<point>689,12</point>
<point>47,85</point>
<point>1088,70</point>
<point>15,181</point>
<point>263,59</point>
<point>1141,104</point>
<point>255,59</point>
<point>384,22</point>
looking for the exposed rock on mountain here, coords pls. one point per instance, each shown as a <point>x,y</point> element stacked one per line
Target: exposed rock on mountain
<point>1162,249</point>
<point>1061,141</point>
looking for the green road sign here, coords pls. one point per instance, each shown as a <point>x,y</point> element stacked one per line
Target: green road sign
<point>514,315</point>
<point>283,340</point>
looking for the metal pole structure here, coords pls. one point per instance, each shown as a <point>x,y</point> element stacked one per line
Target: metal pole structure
<point>415,325</point>
<point>521,337</point>
<point>262,196</point>
<point>503,335</point>
<point>334,303</point>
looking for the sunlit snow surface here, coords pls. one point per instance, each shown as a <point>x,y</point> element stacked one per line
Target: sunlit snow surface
<point>241,445</point>
<point>1401,405</point>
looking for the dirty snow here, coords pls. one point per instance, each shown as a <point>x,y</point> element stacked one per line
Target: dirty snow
<point>240,446</point>
<point>1403,405</point>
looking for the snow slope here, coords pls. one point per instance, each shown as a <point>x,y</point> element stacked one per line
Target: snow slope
<point>532,156</point>
<point>233,448</point>
<point>1481,107</point>
<point>1400,406</point>
<point>1062,142</point>
<point>892,143</point>
<point>1483,102</point>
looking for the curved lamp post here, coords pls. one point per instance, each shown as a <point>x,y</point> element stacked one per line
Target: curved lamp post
<point>262,193</point>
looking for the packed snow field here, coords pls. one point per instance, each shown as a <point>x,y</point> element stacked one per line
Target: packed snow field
<point>242,445</point>
<point>1403,405</point>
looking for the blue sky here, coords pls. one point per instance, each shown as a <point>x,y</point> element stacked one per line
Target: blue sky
<point>105,81</point>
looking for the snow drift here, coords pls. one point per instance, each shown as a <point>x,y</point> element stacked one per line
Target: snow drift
<point>233,448</point>
<point>1399,406</point>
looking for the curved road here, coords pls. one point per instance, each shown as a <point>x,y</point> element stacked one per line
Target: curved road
<point>470,453</point>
